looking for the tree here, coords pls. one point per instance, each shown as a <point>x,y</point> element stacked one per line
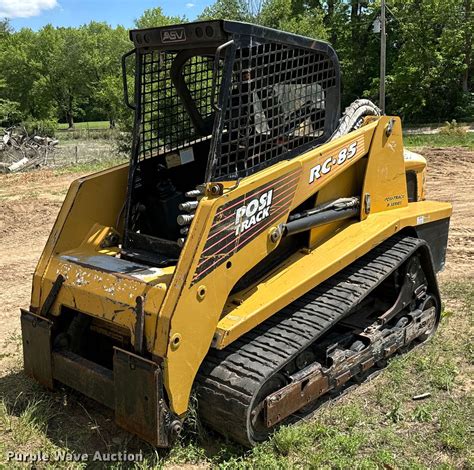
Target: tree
<point>5,28</point>
<point>289,16</point>
<point>236,10</point>
<point>69,73</point>
<point>155,17</point>
<point>10,113</point>
<point>104,47</point>
<point>20,70</point>
<point>468,32</point>
<point>433,63</point>
<point>64,77</point>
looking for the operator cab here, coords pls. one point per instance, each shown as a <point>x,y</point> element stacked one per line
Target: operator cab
<point>216,101</point>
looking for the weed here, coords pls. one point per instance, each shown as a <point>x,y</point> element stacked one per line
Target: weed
<point>290,438</point>
<point>187,453</point>
<point>262,458</point>
<point>423,414</point>
<point>443,374</point>
<point>453,128</point>
<point>395,414</point>
<point>348,415</point>
<point>192,426</point>
<point>384,458</point>
<point>398,369</point>
<point>422,363</point>
<point>338,451</point>
<point>455,426</point>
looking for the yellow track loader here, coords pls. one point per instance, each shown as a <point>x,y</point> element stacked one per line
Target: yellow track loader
<point>260,250</point>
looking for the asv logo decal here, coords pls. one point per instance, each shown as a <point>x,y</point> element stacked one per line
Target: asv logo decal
<point>173,35</point>
<point>319,170</point>
<point>253,212</point>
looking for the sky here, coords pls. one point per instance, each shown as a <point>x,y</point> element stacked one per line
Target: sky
<point>37,13</point>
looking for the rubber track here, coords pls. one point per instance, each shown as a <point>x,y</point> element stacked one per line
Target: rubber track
<point>229,380</point>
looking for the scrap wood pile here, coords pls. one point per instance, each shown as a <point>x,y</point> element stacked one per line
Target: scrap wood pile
<point>20,151</point>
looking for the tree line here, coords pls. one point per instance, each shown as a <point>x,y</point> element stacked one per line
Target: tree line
<point>70,74</point>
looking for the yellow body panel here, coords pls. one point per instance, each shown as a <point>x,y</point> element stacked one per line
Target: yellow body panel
<point>417,163</point>
<point>94,199</point>
<point>187,306</point>
<point>305,270</point>
<point>93,281</point>
<point>385,177</point>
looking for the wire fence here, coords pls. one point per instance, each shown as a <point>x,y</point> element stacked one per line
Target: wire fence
<point>86,151</point>
<point>65,153</point>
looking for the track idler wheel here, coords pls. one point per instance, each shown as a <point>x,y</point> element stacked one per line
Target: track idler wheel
<point>431,303</point>
<point>257,428</point>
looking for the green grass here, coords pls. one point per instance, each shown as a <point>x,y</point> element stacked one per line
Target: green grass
<point>440,140</point>
<point>434,124</point>
<point>87,134</point>
<point>91,167</point>
<point>377,426</point>
<point>86,125</point>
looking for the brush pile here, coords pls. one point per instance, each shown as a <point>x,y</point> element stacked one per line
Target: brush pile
<point>20,151</point>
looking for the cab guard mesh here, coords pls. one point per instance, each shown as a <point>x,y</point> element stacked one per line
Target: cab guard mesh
<point>258,95</point>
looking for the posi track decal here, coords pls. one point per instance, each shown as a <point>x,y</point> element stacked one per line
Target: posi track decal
<point>253,212</point>
<point>239,221</point>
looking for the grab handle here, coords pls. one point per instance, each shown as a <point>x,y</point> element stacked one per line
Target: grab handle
<point>216,71</point>
<point>125,81</point>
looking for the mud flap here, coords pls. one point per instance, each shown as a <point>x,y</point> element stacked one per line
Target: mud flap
<point>140,407</point>
<point>436,236</point>
<point>36,335</point>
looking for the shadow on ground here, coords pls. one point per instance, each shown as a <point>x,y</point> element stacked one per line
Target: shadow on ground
<point>74,423</point>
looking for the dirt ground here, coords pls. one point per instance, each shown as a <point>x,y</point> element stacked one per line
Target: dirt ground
<point>29,204</point>
<point>451,178</point>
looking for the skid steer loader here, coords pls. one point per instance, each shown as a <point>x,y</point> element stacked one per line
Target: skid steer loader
<point>259,250</point>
